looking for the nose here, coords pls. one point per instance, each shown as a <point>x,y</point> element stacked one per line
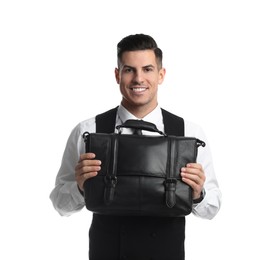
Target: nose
<point>138,77</point>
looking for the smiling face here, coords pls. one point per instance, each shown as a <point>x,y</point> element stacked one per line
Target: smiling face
<point>138,76</point>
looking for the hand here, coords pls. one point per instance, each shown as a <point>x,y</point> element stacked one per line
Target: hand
<point>86,168</point>
<point>194,176</point>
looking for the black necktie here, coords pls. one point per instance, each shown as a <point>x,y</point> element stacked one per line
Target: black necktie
<point>137,132</point>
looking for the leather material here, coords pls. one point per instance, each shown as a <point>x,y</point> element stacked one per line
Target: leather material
<point>140,175</point>
<point>139,125</point>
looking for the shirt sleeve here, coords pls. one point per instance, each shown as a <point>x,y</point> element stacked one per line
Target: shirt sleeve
<point>211,203</point>
<point>65,196</point>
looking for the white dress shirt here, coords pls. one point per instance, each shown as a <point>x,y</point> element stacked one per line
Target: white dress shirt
<point>66,197</point>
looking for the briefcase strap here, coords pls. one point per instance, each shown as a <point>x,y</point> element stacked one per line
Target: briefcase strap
<point>139,125</point>
<point>170,182</point>
<point>110,178</point>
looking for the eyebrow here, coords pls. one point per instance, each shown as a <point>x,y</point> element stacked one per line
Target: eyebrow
<point>146,66</point>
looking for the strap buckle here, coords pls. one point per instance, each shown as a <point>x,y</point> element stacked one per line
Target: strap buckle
<point>110,181</point>
<point>171,181</point>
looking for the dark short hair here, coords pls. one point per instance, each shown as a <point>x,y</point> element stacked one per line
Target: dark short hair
<point>137,42</point>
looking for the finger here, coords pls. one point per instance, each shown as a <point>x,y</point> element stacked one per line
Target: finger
<point>87,162</point>
<point>89,175</point>
<point>190,182</point>
<point>191,178</point>
<point>87,156</point>
<point>87,169</point>
<point>197,188</point>
<point>83,177</point>
<point>193,174</point>
<point>194,166</point>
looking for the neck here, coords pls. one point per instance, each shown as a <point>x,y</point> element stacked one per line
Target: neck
<point>139,111</point>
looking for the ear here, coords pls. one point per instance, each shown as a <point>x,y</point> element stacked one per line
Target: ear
<point>162,73</point>
<point>117,77</point>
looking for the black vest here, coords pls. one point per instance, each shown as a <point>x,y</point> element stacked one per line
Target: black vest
<point>137,238</point>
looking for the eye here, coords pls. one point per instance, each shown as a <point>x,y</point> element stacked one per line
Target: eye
<point>148,69</point>
<point>127,70</point>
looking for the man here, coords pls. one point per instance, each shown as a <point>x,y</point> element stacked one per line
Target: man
<point>139,73</point>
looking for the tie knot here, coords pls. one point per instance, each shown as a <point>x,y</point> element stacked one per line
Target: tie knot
<point>137,132</point>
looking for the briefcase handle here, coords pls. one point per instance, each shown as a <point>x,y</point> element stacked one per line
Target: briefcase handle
<point>141,125</point>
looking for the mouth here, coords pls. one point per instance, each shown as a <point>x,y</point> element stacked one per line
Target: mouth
<point>138,89</point>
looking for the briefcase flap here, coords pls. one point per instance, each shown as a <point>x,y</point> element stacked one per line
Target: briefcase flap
<point>141,155</point>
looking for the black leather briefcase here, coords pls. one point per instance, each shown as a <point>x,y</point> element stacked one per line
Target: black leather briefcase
<point>140,174</point>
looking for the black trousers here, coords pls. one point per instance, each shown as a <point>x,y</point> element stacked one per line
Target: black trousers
<point>136,238</point>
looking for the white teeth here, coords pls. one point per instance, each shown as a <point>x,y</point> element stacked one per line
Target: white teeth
<point>138,89</point>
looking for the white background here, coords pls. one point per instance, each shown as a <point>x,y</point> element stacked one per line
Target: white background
<point>57,61</point>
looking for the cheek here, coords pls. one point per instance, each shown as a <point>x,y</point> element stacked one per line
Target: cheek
<point>124,81</point>
<point>123,89</point>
